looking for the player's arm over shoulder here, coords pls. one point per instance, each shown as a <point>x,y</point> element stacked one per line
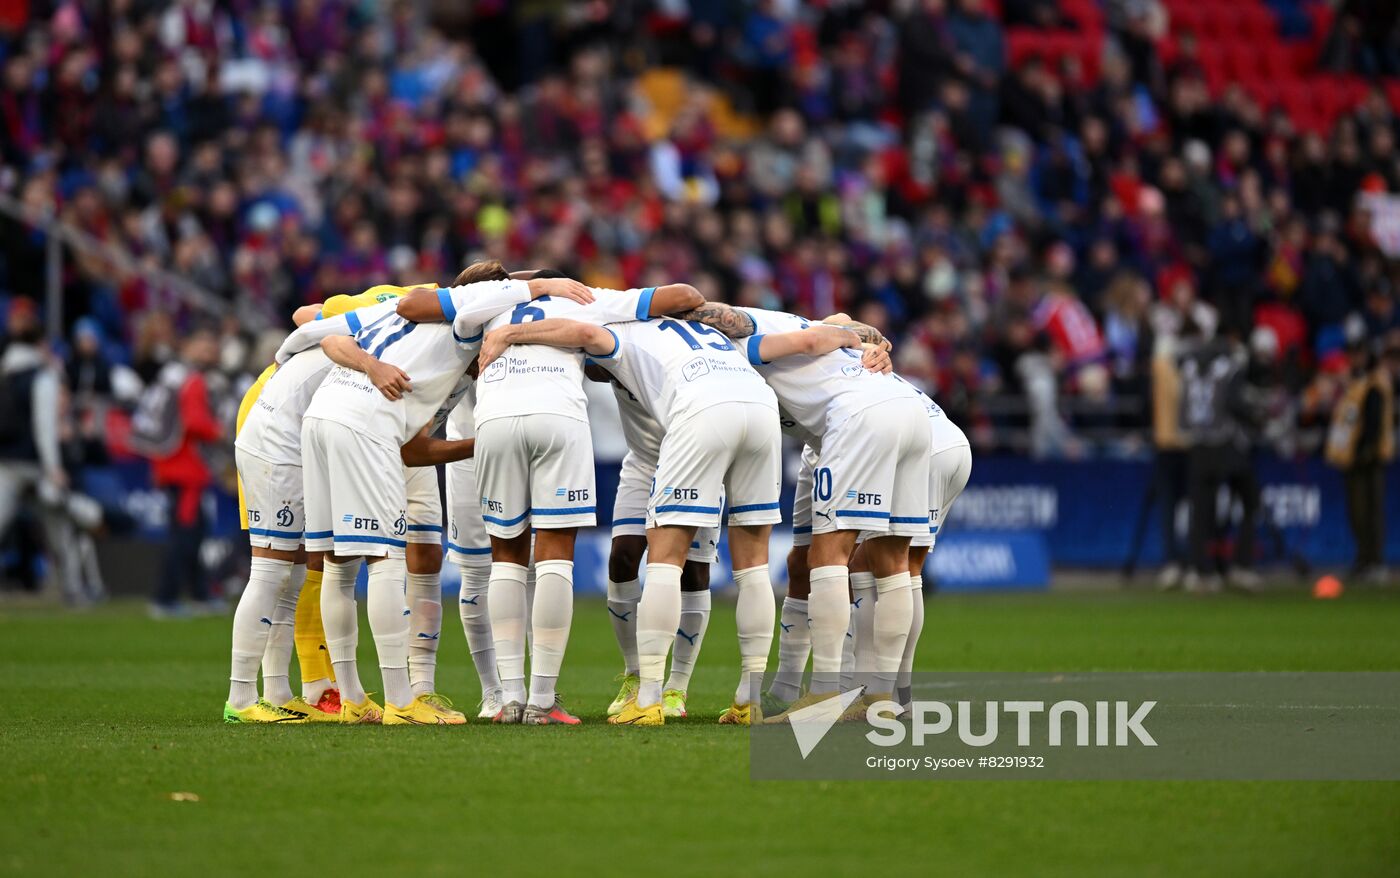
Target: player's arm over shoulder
<point>811,342</point>
<point>726,318</point>
<point>559,332</point>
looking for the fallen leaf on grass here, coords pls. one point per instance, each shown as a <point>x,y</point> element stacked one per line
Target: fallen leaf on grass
<point>184,797</point>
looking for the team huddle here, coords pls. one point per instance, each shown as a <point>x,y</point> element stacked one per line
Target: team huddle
<point>337,461</point>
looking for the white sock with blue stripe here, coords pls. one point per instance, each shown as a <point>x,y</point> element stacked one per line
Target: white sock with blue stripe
<point>794,646</point>
<point>623,598</point>
<point>863,627</point>
<point>252,623</point>
<point>423,594</point>
<point>474,607</point>
<point>277,657</point>
<point>690,634</point>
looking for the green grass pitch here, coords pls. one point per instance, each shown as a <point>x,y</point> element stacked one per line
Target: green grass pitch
<point>104,715</point>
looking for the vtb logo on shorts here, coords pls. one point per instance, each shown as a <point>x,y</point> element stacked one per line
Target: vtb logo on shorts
<point>571,494</point>
<point>682,493</point>
<point>863,498</point>
<point>254,516</point>
<point>360,523</point>
<point>493,505</point>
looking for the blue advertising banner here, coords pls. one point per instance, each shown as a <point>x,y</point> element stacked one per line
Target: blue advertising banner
<point>1091,513</point>
<point>1016,521</point>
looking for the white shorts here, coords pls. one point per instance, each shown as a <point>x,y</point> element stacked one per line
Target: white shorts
<point>356,503</point>
<point>873,473</point>
<point>535,470</point>
<point>802,499</point>
<point>634,483</point>
<point>273,495</point>
<point>467,542</point>
<point>732,450</point>
<point>948,473</point>
<point>424,505</point>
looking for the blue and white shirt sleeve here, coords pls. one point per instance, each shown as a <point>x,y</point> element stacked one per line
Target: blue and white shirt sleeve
<point>309,335</point>
<point>469,306</point>
<point>616,306</point>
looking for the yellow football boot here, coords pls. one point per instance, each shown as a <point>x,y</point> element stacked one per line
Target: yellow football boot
<point>673,703</point>
<point>310,712</point>
<point>260,711</point>
<point>425,710</point>
<point>741,715</point>
<point>632,715</point>
<point>856,712</point>
<point>626,693</point>
<point>364,713</point>
<point>808,700</point>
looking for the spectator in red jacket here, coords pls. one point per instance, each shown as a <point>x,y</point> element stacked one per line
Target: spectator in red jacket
<point>184,475</point>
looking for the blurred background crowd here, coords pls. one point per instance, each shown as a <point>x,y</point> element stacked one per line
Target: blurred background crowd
<point>1037,200</point>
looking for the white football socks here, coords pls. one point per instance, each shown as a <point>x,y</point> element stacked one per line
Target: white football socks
<point>252,623</point>
<point>754,616</point>
<point>848,654</point>
<point>794,646</point>
<point>622,611</point>
<point>550,618</point>
<point>277,657</point>
<point>388,622</point>
<point>829,609</point>
<point>341,620</point>
<point>916,627</point>
<point>658,617</point>
<point>507,605</point>
<point>423,594</point>
<point>863,626</point>
<point>690,634</point>
<point>893,612</point>
<point>472,604</point>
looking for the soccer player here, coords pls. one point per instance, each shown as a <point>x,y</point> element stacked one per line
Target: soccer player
<point>871,434</point>
<point>721,437</point>
<point>470,549</point>
<point>629,542</point>
<point>363,512</point>
<point>535,468</point>
<point>268,456</point>
<point>950,467</point>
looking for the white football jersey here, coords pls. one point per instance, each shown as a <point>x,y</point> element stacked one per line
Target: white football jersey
<point>678,368</point>
<point>818,392</point>
<point>435,362</point>
<point>539,379</point>
<point>272,429</point>
<point>435,356</point>
<point>639,428</point>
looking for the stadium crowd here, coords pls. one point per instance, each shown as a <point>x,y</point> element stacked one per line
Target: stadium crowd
<point>1025,232</point>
